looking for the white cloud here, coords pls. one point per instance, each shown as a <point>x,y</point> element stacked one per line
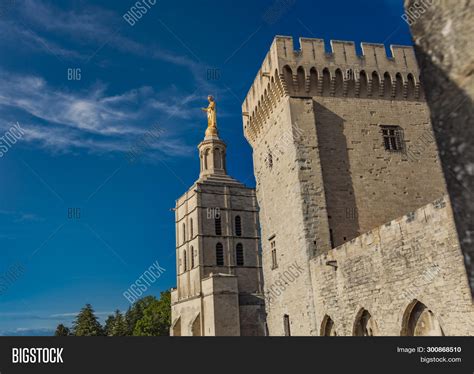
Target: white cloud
<point>64,121</point>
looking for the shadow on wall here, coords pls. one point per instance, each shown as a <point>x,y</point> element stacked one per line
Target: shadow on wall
<point>340,199</point>
<point>452,115</point>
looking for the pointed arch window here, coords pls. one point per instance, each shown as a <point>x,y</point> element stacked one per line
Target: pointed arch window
<point>192,257</point>
<point>185,261</point>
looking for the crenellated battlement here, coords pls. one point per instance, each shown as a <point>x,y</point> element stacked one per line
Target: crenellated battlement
<point>311,71</point>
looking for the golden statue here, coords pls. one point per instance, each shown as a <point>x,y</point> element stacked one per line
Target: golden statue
<point>211,117</point>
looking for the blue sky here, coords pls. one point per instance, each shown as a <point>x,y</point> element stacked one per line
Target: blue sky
<point>77,132</point>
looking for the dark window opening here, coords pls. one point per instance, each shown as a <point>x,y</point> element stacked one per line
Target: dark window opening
<point>185,261</point>
<point>219,254</point>
<point>238,226</point>
<point>331,238</point>
<point>239,254</point>
<point>392,138</point>
<point>274,255</point>
<point>286,324</point>
<point>218,225</point>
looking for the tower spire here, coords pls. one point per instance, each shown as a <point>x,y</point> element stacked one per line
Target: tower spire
<point>212,150</point>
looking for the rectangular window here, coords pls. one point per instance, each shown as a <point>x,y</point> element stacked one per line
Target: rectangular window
<point>218,226</point>
<point>392,138</point>
<point>274,255</point>
<point>286,324</point>
<point>240,255</point>
<point>219,254</point>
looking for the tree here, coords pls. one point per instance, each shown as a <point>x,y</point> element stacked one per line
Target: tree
<point>109,322</point>
<point>87,324</point>
<point>156,320</point>
<point>62,330</point>
<point>117,325</point>
<point>135,312</point>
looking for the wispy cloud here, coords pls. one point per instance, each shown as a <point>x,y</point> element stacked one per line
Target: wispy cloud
<point>21,217</point>
<point>64,121</point>
<point>61,120</point>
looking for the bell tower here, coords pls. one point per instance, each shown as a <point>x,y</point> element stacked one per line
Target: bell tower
<point>212,153</point>
<point>219,276</point>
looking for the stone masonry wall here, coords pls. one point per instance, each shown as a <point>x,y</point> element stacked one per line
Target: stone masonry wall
<point>365,184</point>
<point>281,217</point>
<point>416,256</point>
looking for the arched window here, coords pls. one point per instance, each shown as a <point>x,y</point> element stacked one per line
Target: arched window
<point>192,257</point>
<point>365,324</point>
<point>184,232</point>
<point>239,254</point>
<point>418,320</point>
<point>219,254</point>
<point>327,327</point>
<point>238,226</point>
<point>218,226</point>
<point>191,230</point>
<point>185,261</point>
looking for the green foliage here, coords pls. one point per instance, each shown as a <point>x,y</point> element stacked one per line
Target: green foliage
<point>115,325</point>
<point>86,323</point>
<point>148,316</point>
<point>135,312</point>
<point>62,330</point>
<point>156,318</point>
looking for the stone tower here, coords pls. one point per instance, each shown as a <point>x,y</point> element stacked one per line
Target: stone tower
<point>219,277</point>
<point>342,144</point>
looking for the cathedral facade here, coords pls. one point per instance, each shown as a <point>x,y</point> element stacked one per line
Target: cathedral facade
<point>356,228</point>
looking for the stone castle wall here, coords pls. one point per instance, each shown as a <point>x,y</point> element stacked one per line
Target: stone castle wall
<point>365,184</point>
<point>415,257</point>
<point>281,218</point>
<point>323,174</point>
